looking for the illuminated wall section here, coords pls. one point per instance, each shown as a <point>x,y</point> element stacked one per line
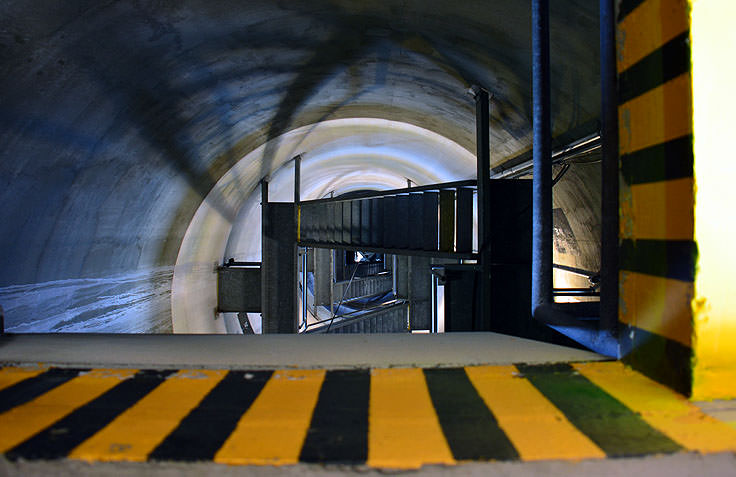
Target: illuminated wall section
<point>658,252</point>
<point>714,103</point>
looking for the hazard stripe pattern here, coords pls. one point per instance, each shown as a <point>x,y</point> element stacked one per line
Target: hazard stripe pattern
<point>383,418</point>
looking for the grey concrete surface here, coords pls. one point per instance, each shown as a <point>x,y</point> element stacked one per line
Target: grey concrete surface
<point>679,465</point>
<point>723,410</point>
<point>270,351</point>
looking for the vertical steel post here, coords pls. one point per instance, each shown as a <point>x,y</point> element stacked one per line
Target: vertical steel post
<point>332,282</point>
<point>542,157</point>
<point>297,178</point>
<point>609,168</point>
<point>433,326</point>
<point>304,285</point>
<point>483,154</point>
<point>265,295</point>
<point>298,220</point>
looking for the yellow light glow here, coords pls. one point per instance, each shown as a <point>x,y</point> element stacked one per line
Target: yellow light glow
<point>714,307</point>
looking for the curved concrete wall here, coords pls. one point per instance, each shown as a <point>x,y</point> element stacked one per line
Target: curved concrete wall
<point>119,118</point>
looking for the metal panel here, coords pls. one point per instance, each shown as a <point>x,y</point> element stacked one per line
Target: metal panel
<point>278,280</point>
<point>346,222</point>
<point>510,239</point>
<point>355,222</point>
<point>322,222</point>
<point>430,206</point>
<point>416,220</point>
<point>464,232</point>
<point>402,221</point>
<point>365,222</point>
<point>239,289</point>
<point>305,223</point>
<point>376,222</point>
<point>447,220</point>
<point>389,222</point>
<point>336,222</point>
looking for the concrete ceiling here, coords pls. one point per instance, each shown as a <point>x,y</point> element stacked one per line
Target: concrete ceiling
<point>119,117</point>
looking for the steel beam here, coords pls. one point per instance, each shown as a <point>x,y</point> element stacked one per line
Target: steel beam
<point>483,162</point>
<point>609,169</point>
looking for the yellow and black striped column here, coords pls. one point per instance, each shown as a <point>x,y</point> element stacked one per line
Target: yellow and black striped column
<point>657,252</point>
<point>383,418</point>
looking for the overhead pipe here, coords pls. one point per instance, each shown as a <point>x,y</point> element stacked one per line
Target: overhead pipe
<point>585,145</point>
<point>576,292</point>
<point>542,158</point>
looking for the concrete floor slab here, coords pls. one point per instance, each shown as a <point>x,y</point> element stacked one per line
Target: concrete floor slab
<point>678,465</point>
<point>279,351</point>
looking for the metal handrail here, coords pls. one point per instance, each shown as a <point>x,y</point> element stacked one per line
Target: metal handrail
<point>376,194</point>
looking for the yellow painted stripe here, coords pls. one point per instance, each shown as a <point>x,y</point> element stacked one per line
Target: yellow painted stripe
<point>273,429</point>
<point>13,375</point>
<point>661,407</point>
<point>535,426</point>
<point>137,431</point>
<point>656,116</point>
<point>659,210</point>
<point>22,422</point>
<point>713,381</point>
<point>648,27</point>
<point>656,304</point>
<point>404,429</point>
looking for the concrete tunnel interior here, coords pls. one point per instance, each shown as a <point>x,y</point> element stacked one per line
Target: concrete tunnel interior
<point>135,136</point>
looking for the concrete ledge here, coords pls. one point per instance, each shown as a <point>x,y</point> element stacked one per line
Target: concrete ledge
<point>279,351</point>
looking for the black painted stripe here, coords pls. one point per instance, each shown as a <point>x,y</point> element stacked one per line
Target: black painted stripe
<point>627,6</point>
<point>662,258</point>
<point>670,160</point>
<point>31,388</point>
<point>663,64</point>
<point>617,430</point>
<point>203,431</point>
<point>63,436</point>
<point>470,428</point>
<point>338,432</point>
<point>661,359</point>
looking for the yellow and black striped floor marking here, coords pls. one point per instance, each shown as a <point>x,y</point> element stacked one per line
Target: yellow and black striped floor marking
<point>385,418</point>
